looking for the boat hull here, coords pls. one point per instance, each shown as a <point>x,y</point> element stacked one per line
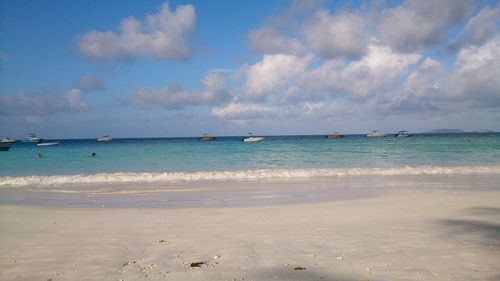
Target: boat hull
<point>207,138</point>
<point>47,144</point>
<point>4,148</point>
<point>253,139</point>
<point>334,137</point>
<point>33,141</point>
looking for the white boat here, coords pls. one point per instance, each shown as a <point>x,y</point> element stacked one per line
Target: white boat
<point>7,140</point>
<point>105,138</point>
<point>403,134</point>
<point>32,138</point>
<point>251,138</point>
<point>376,134</point>
<point>47,143</point>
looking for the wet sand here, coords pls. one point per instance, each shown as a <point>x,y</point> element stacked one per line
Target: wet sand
<point>443,231</point>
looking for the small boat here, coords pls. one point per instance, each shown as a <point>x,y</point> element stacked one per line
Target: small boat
<point>47,143</point>
<point>403,134</point>
<point>251,138</point>
<point>4,148</point>
<point>335,136</point>
<point>104,138</point>
<point>207,137</point>
<point>7,140</point>
<point>376,134</point>
<point>32,138</point>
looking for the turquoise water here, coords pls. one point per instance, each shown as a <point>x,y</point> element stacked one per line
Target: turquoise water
<point>167,155</point>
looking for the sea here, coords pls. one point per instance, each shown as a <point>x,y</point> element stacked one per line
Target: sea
<point>160,160</point>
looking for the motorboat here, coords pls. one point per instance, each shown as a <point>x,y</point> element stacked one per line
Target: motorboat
<point>376,134</point>
<point>7,140</point>
<point>32,138</point>
<point>251,138</point>
<point>104,138</point>
<point>335,136</point>
<point>403,134</point>
<point>47,143</point>
<point>207,137</point>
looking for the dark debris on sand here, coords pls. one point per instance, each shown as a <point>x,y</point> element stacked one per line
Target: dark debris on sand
<point>300,268</point>
<point>197,264</point>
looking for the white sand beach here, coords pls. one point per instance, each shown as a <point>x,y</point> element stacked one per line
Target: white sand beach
<point>403,233</point>
<point>284,140</point>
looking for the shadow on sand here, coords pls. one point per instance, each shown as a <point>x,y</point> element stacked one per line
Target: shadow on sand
<point>478,221</point>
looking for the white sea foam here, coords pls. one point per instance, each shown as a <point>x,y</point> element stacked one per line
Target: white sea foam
<point>110,178</point>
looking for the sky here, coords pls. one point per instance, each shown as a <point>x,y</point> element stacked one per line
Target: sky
<point>82,69</point>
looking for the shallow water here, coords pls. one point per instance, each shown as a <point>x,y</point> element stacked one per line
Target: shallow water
<point>173,159</point>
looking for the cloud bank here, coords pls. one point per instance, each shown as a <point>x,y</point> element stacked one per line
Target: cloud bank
<point>374,61</point>
<point>377,60</point>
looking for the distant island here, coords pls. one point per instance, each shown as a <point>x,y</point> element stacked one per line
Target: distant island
<point>445,131</point>
<point>484,131</point>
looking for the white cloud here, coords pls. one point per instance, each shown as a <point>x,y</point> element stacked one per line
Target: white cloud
<point>213,91</point>
<point>417,24</point>
<point>421,88</point>
<point>476,74</point>
<point>247,111</point>
<point>237,111</point>
<point>473,58</point>
<point>159,36</point>
<point>380,70</point>
<point>481,27</point>
<point>286,86</point>
<point>269,41</point>
<point>287,79</point>
<point>271,73</point>
<point>325,110</point>
<point>336,35</point>
<point>75,102</point>
<point>170,97</point>
<point>377,72</point>
<point>424,80</point>
<point>472,83</point>
<point>324,78</point>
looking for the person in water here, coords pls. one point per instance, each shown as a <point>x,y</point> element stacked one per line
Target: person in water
<point>93,154</point>
<point>39,155</point>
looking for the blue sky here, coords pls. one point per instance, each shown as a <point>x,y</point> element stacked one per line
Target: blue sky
<point>75,69</point>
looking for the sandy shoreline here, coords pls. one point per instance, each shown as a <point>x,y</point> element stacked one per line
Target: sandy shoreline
<point>404,234</point>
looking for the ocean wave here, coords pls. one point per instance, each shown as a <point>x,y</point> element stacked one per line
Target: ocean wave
<point>262,174</point>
